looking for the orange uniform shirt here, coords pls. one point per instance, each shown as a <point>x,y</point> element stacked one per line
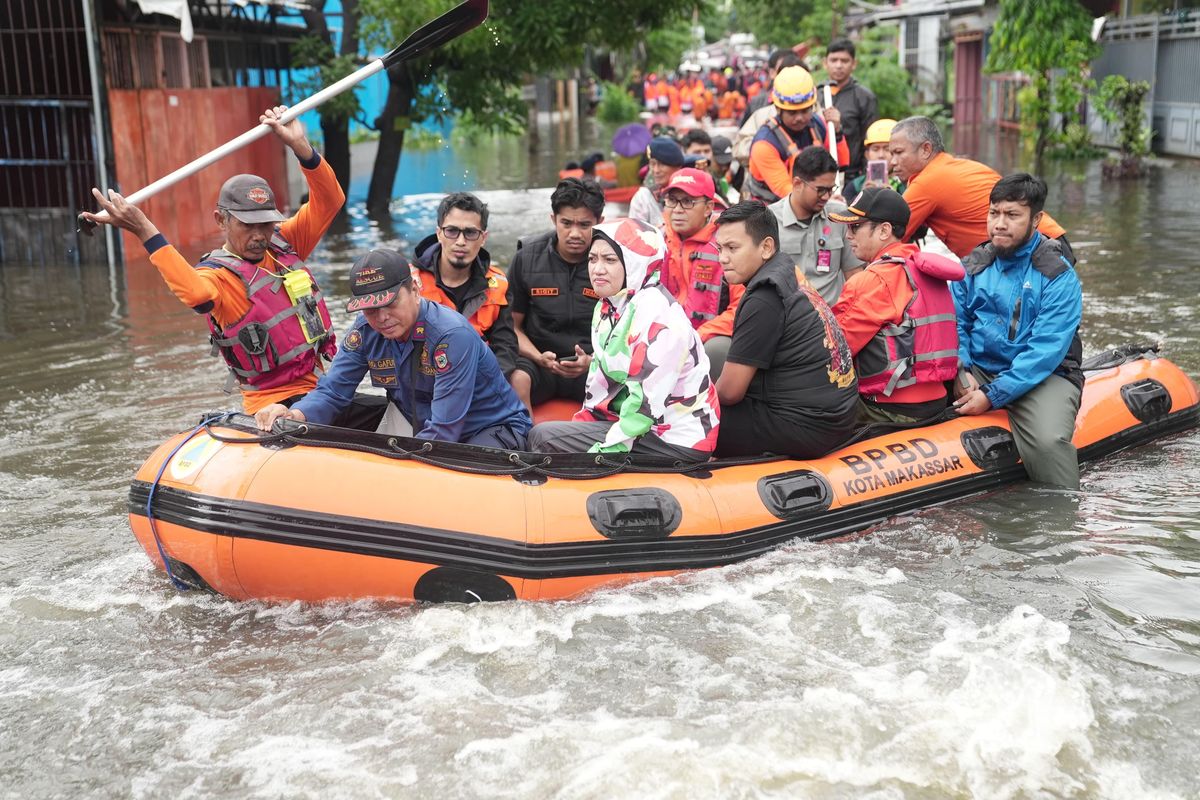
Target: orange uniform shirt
<point>196,287</point>
<point>767,166</point>
<point>873,298</point>
<point>951,196</point>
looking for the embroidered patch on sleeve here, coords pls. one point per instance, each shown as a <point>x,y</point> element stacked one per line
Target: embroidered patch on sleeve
<point>441,358</point>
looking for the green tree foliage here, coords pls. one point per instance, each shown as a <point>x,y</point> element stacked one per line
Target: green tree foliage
<point>480,73</point>
<point>783,23</point>
<point>1050,41</point>
<point>617,105</point>
<point>1119,102</point>
<point>665,46</point>
<point>316,50</point>
<point>312,51</point>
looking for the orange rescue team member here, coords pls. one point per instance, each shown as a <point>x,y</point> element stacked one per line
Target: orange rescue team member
<point>264,308</point>
<point>455,271</point>
<point>897,314</point>
<point>948,194</point>
<point>782,137</point>
<point>692,270</point>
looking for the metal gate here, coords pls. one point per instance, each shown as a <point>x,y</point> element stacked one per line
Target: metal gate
<point>48,146</point>
<point>1165,52</point>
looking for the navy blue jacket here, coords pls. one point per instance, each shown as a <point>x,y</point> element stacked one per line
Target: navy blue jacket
<point>444,379</point>
<point>1018,318</point>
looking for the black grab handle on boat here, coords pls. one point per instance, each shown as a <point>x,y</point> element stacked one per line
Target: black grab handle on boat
<point>634,513</point>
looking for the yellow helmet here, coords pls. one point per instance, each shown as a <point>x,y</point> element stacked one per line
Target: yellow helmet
<point>879,132</point>
<point>793,89</point>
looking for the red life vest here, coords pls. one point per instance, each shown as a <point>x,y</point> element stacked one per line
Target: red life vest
<point>267,347</point>
<point>923,348</point>
<point>703,299</point>
<point>695,278</point>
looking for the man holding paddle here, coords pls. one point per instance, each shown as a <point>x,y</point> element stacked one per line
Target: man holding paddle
<point>266,314</point>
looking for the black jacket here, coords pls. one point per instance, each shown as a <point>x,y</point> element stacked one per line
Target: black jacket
<point>500,337</point>
<point>556,297</point>
<point>859,108</point>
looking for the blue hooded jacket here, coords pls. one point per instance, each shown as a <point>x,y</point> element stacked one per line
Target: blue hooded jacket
<point>1018,317</point>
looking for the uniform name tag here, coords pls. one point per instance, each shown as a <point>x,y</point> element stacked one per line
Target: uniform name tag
<point>544,291</point>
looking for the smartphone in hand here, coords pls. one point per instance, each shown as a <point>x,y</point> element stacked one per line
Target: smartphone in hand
<point>567,359</point>
<point>877,172</point>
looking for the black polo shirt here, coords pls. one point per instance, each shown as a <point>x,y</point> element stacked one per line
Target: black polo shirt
<point>556,297</point>
<point>805,369</point>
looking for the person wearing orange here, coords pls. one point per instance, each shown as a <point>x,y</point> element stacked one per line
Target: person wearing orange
<point>456,272</point>
<point>692,270</point>
<point>731,106</point>
<point>265,311</point>
<point>674,106</point>
<point>696,93</point>
<point>650,93</point>
<point>948,194</point>
<point>777,143</point>
<point>897,314</point>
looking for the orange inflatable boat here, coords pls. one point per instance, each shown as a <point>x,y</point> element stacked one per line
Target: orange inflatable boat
<point>315,513</point>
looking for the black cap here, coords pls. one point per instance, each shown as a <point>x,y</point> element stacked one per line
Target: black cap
<point>722,150</point>
<point>249,199</point>
<point>375,277</point>
<point>877,205</point>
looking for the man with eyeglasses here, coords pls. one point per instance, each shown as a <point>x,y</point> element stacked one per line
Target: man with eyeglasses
<point>692,271</point>
<point>815,242</point>
<point>552,299</point>
<point>455,271</point>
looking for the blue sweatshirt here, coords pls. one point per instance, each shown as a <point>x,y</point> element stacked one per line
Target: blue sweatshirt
<point>1017,320</point>
<point>444,379</point>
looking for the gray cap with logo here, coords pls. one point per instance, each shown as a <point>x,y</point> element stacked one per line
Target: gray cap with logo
<point>249,199</point>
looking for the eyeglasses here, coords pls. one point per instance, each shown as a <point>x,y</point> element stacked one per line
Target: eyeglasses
<point>452,233</point>
<point>686,203</point>
<point>822,191</point>
<point>853,227</point>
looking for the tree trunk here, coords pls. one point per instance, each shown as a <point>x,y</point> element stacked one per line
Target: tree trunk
<point>392,123</point>
<point>336,130</point>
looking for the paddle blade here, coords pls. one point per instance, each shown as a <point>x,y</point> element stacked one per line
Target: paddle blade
<point>464,17</point>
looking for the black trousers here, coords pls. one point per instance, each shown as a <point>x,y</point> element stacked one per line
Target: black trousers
<point>750,428</point>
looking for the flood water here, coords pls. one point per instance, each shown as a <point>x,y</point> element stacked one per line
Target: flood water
<point>1028,643</point>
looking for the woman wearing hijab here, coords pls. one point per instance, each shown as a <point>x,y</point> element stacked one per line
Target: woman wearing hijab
<point>648,390</point>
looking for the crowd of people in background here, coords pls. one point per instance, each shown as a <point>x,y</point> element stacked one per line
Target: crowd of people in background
<point>765,292</point>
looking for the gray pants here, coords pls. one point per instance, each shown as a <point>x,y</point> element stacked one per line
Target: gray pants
<point>1043,422</point>
<point>717,349</point>
<point>577,437</point>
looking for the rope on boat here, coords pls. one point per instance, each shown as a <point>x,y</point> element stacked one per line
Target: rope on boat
<point>467,459</point>
<point>162,553</point>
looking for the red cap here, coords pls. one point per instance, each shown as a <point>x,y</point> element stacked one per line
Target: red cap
<point>694,182</point>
